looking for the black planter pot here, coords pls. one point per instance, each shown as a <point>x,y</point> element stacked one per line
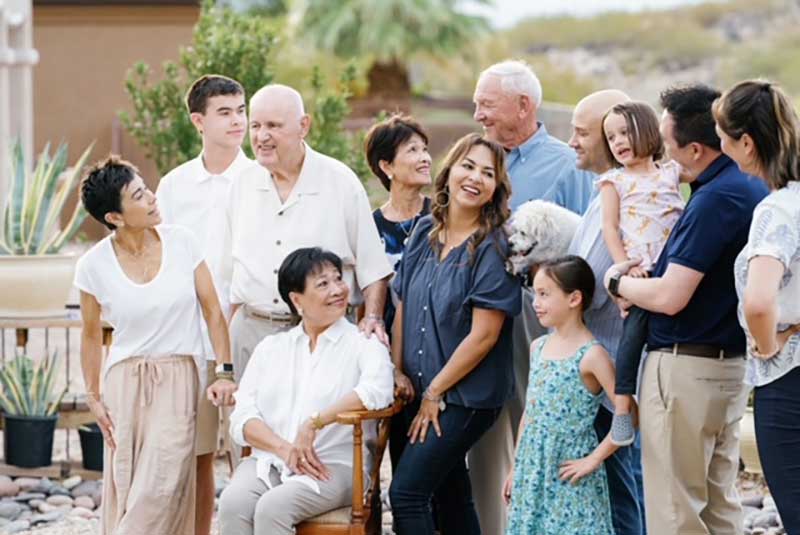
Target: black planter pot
<point>28,440</point>
<point>92,447</point>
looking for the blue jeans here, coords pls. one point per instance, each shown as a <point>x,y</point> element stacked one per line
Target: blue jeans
<point>776,410</point>
<point>629,352</point>
<point>437,469</point>
<point>624,473</point>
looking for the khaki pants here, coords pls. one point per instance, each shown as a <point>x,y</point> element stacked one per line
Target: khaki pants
<point>149,478</point>
<point>246,331</point>
<point>491,458</point>
<point>690,409</point>
<point>249,507</point>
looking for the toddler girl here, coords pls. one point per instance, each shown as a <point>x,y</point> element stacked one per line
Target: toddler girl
<point>641,204</point>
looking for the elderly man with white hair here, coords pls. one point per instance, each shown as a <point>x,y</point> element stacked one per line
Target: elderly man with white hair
<point>297,197</point>
<point>507,100</point>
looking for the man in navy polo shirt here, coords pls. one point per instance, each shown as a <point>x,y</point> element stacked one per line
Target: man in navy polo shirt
<point>692,393</point>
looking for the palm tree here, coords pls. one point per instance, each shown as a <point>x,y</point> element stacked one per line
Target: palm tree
<point>390,32</point>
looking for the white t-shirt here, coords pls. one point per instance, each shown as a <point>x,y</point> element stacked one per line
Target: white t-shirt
<point>191,196</point>
<point>156,319</point>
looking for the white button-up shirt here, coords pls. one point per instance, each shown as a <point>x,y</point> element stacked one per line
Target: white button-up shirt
<point>285,383</point>
<point>327,208</point>
<point>192,197</point>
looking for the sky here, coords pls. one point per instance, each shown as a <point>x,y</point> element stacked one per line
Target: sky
<point>506,13</point>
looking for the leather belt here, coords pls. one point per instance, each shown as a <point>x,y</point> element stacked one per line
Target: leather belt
<point>284,318</point>
<point>270,316</point>
<point>699,350</point>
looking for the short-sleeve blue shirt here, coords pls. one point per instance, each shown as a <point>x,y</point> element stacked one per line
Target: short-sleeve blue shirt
<point>707,238</point>
<point>438,299</point>
<point>543,167</point>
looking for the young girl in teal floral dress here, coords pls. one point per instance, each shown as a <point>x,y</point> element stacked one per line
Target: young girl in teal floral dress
<point>558,483</point>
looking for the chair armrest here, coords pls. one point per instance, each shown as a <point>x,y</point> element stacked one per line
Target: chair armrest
<point>356,417</point>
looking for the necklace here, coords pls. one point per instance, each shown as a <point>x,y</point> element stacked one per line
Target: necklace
<point>402,227</point>
<point>143,267</point>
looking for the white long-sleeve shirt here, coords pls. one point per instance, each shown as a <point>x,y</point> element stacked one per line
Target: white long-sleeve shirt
<point>284,383</point>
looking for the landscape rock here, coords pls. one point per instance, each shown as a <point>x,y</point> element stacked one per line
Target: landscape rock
<point>17,526</point>
<point>97,496</point>
<point>8,487</point>
<point>82,512</point>
<point>59,500</point>
<point>85,488</point>
<point>85,501</point>
<point>27,483</point>
<point>71,482</point>
<point>765,520</point>
<point>45,508</point>
<point>769,504</point>
<point>45,486</point>
<point>755,500</point>
<point>28,496</point>
<point>52,516</point>
<point>58,490</point>
<point>10,510</point>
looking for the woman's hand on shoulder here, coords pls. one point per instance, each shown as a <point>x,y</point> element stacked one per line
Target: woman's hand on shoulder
<point>221,392</point>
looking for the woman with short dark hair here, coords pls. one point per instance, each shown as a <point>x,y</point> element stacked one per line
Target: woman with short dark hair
<point>758,128</point>
<point>295,384</point>
<point>452,337</point>
<point>146,280</point>
<point>397,152</point>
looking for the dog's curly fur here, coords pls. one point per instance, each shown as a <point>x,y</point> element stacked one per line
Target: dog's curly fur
<point>538,231</point>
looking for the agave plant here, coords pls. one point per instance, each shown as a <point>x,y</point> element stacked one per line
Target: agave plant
<point>28,388</point>
<point>35,203</point>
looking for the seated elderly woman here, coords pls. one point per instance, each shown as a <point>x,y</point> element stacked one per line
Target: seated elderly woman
<point>295,384</point>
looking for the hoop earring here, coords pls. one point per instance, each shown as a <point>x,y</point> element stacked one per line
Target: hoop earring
<point>446,193</point>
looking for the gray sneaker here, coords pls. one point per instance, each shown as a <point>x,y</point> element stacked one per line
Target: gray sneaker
<point>622,432</point>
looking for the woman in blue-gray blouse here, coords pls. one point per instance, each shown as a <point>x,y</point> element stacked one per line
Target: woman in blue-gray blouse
<point>758,128</point>
<point>452,336</point>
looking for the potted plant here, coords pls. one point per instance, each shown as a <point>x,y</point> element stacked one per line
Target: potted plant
<point>30,410</point>
<point>91,446</point>
<point>36,277</point>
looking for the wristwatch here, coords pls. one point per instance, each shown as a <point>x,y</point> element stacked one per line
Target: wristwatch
<point>316,421</point>
<point>225,367</point>
<point>613,284</point>
<point>224,371</point>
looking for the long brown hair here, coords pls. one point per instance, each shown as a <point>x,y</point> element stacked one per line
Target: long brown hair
<point>762,110</point>
<point>493,214</point>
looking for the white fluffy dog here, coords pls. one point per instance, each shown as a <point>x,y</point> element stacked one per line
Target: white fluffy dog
<point>538,231</point>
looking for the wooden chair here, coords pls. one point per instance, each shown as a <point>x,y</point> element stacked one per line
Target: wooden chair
<point>364,516</point>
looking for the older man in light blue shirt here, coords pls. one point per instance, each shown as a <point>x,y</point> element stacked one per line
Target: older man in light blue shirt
<point>543,167</point>
<point>507,98</point>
